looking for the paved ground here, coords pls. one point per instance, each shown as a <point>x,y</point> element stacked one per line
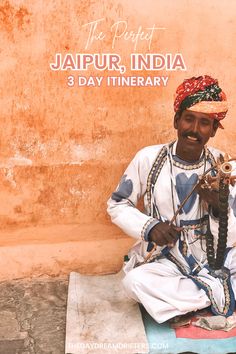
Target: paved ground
<point>32,316</point>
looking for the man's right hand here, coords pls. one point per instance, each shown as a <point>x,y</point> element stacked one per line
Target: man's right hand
<point>163,234</point>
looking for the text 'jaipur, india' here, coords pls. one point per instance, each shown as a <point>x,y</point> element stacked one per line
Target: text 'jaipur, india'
<point>105,63</point>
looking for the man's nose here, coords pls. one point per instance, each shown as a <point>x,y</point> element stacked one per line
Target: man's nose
<point>195,126</point>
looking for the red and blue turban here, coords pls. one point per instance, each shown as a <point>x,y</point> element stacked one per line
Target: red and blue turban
<point>202,94</point>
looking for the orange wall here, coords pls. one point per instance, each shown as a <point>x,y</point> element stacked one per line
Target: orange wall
<point>63,150</point>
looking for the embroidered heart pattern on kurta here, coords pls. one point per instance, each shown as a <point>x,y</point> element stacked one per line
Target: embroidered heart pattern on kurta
<point>124,190</point>
<point>184,185</point>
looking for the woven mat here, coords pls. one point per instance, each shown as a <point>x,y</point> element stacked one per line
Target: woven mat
<point>165,340</point>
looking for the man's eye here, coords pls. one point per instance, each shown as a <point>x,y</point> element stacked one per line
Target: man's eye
<point>188,119</point>
<point>205,122</point>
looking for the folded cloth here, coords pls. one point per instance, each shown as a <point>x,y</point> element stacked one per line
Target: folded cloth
<point>216,323</point>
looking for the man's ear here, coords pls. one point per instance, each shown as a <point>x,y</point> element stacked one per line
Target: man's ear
<point>176,119</point>
<point>214,127</point>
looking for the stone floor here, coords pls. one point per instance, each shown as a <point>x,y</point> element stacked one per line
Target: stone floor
<point>33,316</point>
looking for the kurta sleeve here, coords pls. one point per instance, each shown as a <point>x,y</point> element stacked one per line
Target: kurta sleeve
<point>122,204</point>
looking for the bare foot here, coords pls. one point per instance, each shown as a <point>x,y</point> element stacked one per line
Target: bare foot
<point>181,320</point>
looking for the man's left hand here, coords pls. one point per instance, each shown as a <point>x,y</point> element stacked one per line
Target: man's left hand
<point>211,196</point>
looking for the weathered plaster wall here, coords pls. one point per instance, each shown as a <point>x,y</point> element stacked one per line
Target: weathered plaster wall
<point>63,150</point>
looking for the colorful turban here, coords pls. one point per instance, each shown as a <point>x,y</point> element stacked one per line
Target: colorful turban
<point>202,94</point>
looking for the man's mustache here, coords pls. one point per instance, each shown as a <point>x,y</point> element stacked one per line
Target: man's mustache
<point>193,135</point>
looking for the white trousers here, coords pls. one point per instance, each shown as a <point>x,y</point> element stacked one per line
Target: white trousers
<point>165,292</point>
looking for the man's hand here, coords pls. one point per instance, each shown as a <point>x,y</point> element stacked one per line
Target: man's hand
<point>164,234</point>
<point>211,196</point>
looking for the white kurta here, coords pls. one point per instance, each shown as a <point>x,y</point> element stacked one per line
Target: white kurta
<point>162,287</point>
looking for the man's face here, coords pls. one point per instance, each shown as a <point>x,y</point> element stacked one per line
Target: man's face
<point>194,130</point>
